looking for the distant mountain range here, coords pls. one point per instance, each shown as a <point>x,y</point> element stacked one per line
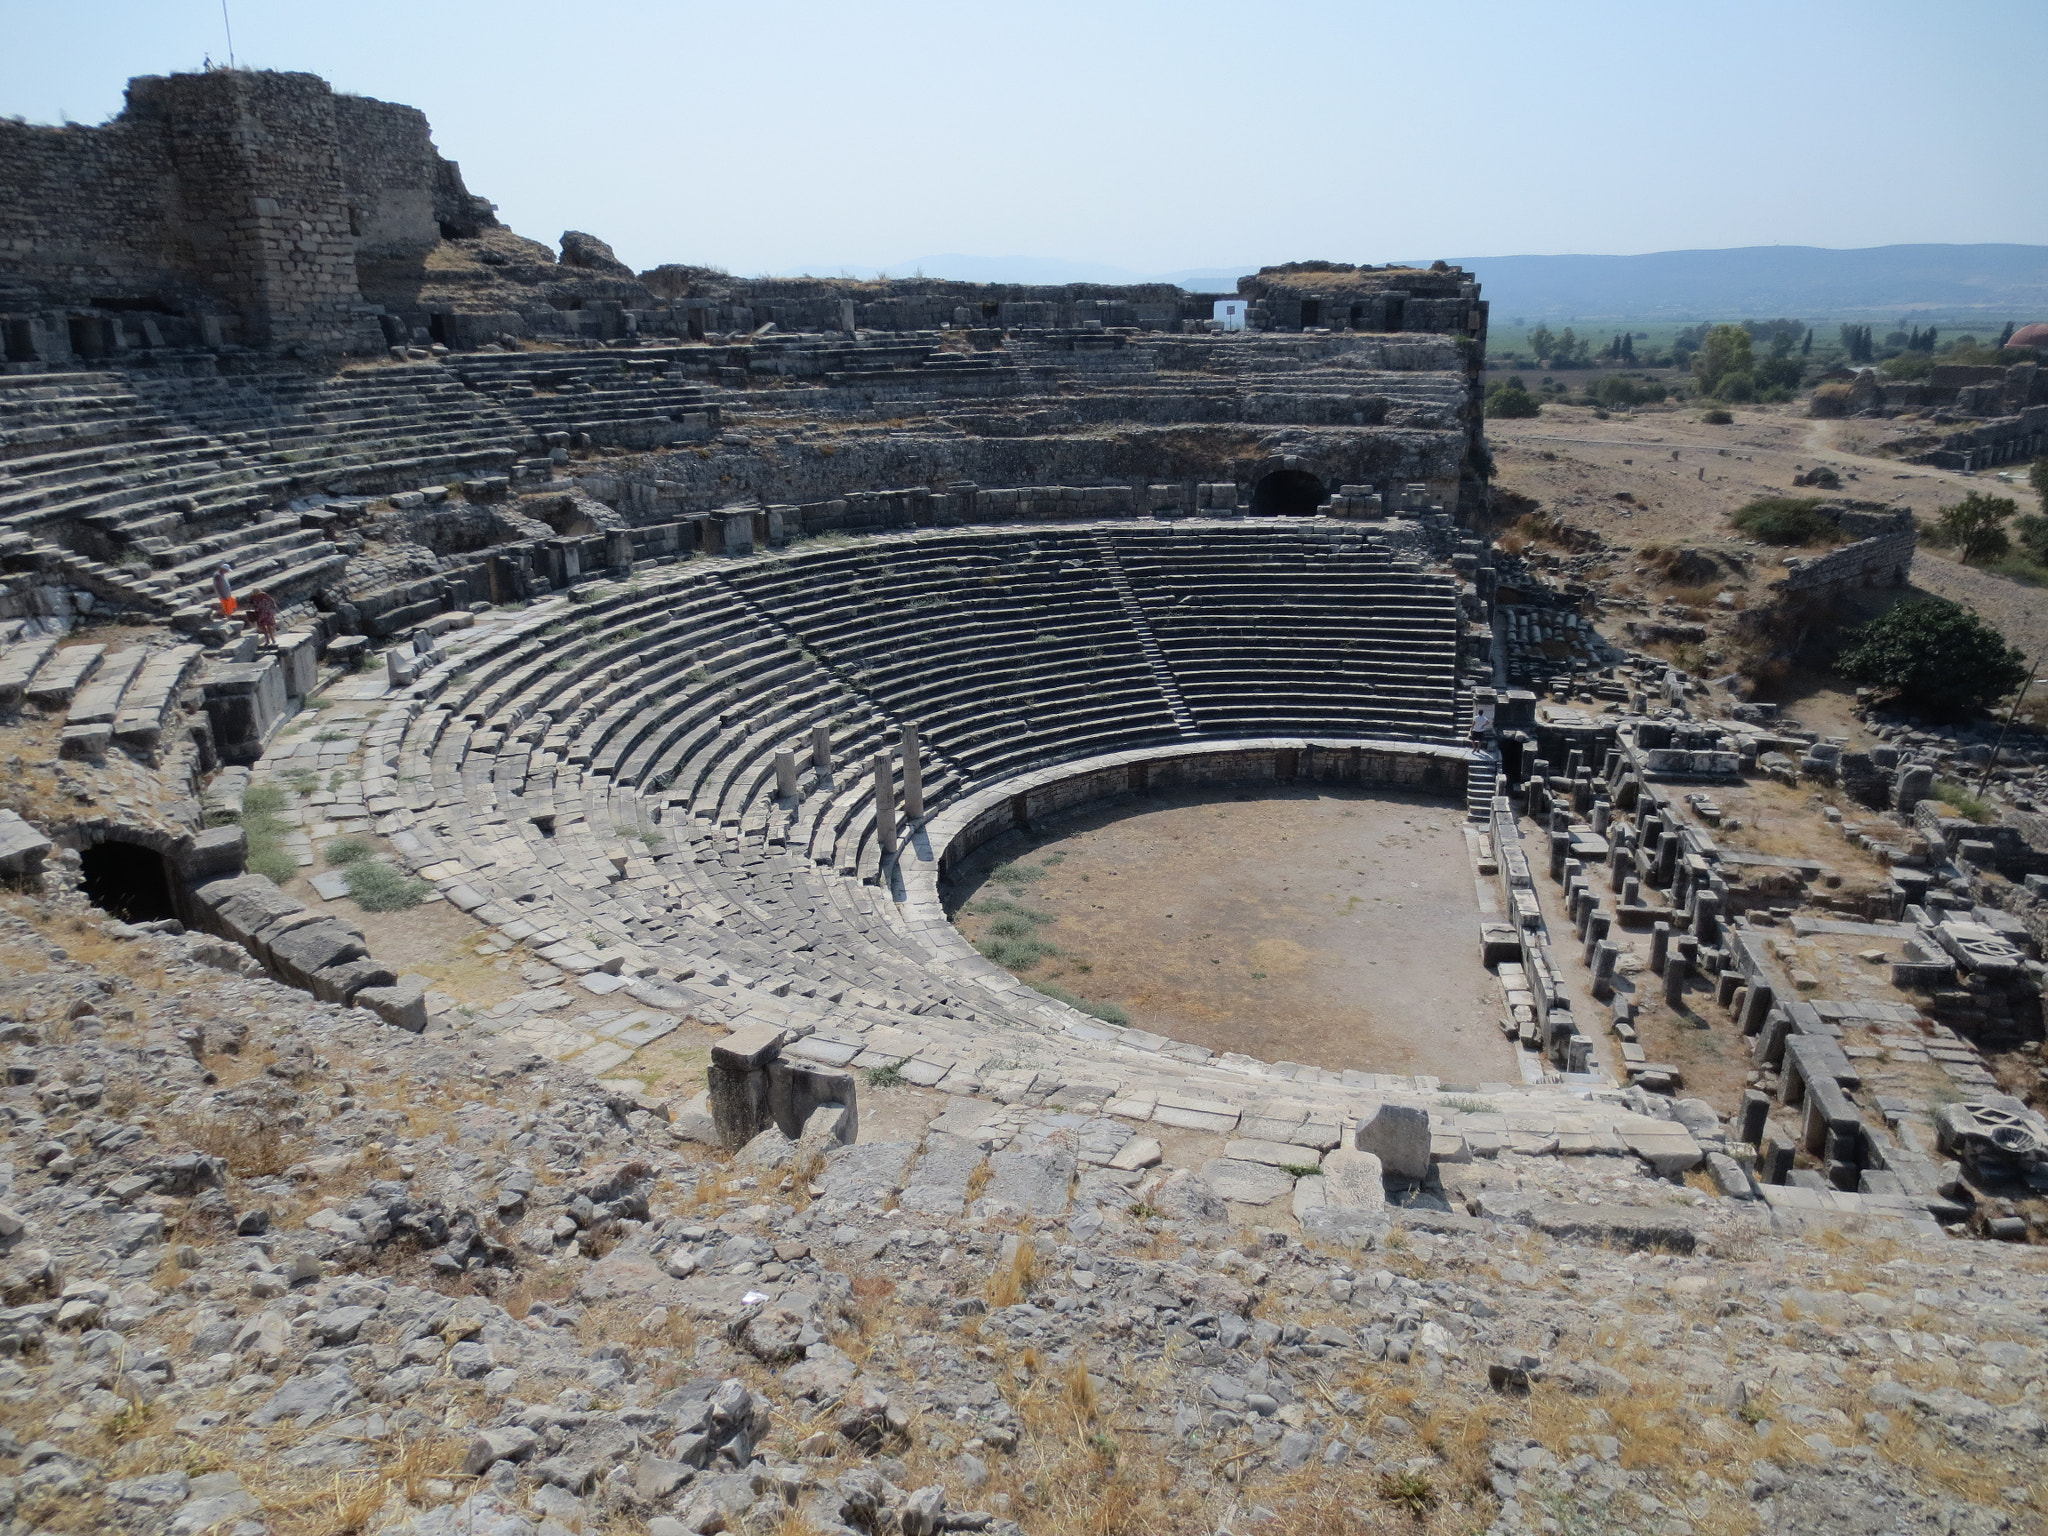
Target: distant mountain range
<point>1999,282</point>
<point>1051,271</point>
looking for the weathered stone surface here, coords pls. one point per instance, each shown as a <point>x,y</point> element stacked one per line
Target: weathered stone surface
<point>1028,1183</point>
<point>1246,1183</point>
<point>1398,1135</point>
<point>938,1185</point>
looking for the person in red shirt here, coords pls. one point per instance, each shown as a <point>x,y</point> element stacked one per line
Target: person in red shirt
<point>263,614</point>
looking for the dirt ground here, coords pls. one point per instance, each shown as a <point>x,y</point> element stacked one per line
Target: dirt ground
<point>1313,925</point>
<point>1684,477</point>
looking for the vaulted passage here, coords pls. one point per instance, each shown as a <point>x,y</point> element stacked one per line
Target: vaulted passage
<point>129,881</point>
<point>1287,493</point>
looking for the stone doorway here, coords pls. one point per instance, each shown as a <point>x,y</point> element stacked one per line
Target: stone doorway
<point>128,880</point>
<point>1287,493</point>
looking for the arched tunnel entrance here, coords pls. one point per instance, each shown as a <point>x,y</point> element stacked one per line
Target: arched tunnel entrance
<point>128,880</point>
<point>1287,493</point>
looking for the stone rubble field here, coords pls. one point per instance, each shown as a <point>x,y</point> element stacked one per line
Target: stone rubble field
<point>274,1266</point>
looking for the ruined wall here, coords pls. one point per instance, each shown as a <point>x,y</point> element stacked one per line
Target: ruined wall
<point>403,198</point>
<point>241,196</point>
<point>1880,557</point>
<point>84,215</point>
<point>261,200</point>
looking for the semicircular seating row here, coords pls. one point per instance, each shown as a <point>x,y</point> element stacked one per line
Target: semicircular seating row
<point>607,768</point>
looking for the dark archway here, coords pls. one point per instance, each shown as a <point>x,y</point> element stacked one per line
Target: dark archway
<point>1287,493</point>
<point>129,881</point>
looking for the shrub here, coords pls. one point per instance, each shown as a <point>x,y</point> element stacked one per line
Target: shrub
<point>1109,1013</point>
<point>1832,400</point>
<point>1961,801</point>
<point>1935,655</point>
<point>1714,416</point>
<point>1015,954</point>
<point>261,800</point>
<point>1974,527</point>
<point>348,850</point>
<point>264,827</point>
<point>1616,391</point>
<point>1512,400</point>
<point>1908,365</point>
<point>1787,520</point>
<point>378,887</point>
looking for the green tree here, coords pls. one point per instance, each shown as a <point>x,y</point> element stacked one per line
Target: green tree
<point>1806,346</point>
<point>1511,400</point>
<point>2038,478</point>
<point>1934,655</point>
<point>1975,526</point>
<point>2032,531</point>
<point>1857,342</point>
<point>1542,343</point>
<point>2006,335</point>
<point>1725,356</point>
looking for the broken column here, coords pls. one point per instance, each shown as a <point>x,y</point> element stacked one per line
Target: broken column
<point>1605,953</point>
<point>885,804</point>
<point>913,775</point>
<point>821,749</point>
<point>1706,907</point>
<point>785,774</point>
<point>1675,967</point>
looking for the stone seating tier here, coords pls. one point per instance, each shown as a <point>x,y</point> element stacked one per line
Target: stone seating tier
<point>608,767</point>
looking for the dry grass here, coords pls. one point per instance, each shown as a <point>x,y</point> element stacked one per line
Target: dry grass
<point>1011,1282</point>
<point>346,1503</point>
<point>252,1149</point>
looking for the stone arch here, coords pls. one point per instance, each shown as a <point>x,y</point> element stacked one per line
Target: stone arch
<point>129,879</point>
<point>1289,491</point>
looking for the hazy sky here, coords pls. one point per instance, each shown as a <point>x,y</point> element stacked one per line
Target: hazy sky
<point>775,137</point>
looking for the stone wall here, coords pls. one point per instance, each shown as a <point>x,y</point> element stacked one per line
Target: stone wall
<point>222,207</point>
<point>1880,557</point>
<point>1018,805</point>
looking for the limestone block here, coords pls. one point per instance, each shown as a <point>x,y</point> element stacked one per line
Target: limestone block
<point>738,1081</point>
<point>1274,1154</point>
<point>797,1091</point>
<point>1398,1135</point>
<point>298,658</point>
<point>22,849</point>
<point>1246,1183</point>
<point>404,1003</point>
<point>302,953</point>
<point>1138,1152</point>
<point>1354,1179</point>
<point>341,983</point>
